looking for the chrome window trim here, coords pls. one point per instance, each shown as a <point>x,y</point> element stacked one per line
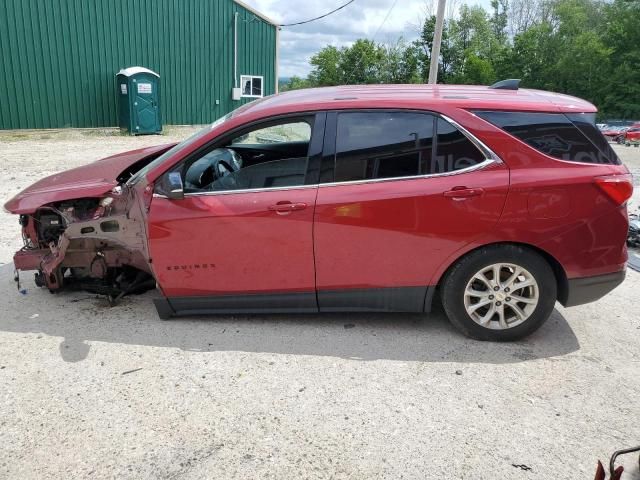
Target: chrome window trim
<point>245,190</point>
<point>488,153</point>
<point>490,158</point>
<point>477,166</point>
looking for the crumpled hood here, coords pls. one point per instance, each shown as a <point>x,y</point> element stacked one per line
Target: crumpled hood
<point>91,180</point>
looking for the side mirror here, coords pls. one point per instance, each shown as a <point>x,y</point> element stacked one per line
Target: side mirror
<point>171,186</point>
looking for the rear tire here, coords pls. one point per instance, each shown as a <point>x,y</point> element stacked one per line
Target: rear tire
<point>515,306</point>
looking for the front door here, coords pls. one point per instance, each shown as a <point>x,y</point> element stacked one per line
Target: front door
<point>409,190</point>
<point>242,242</point>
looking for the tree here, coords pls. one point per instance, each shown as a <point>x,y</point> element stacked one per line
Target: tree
<point>499,19</point>
<point>295,83</point>
<point>424,44</point>
<point>472,46</point>
<point>524,14</point>
<point>530,58</point>
<point>587,48</point>
<point>476,70</point>
<point>326,67</point>
<point>621,33</point>
<point>400,63</point>
<point>362,62</point>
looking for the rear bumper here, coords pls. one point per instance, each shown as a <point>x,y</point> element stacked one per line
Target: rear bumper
<point>590,289</point>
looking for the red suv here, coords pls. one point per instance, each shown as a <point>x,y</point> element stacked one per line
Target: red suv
<point>365,198</point>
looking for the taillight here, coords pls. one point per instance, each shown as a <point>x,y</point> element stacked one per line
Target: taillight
<point>619,188</point>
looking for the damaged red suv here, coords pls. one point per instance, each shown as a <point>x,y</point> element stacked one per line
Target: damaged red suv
<point>375,198</point>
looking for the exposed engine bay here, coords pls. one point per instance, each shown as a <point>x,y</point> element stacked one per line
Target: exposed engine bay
<point>93,244</point>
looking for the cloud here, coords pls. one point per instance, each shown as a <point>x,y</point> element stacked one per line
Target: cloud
<point>361,19</point>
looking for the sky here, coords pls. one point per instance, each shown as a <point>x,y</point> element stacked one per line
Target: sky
<point>361,19</point>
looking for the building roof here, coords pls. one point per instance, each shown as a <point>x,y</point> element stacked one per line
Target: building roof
<point>421,96</point>
<point>127,72</point>
<point>256,13</point>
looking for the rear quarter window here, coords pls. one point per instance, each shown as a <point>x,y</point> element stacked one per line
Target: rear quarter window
<point>570,137</point>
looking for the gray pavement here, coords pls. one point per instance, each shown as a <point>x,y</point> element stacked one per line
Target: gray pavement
<point>89,391</point>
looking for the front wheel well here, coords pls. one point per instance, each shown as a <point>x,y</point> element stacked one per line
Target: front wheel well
<point>562,283</point>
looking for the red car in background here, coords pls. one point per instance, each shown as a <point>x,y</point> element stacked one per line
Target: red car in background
<point>614,134</point>
<point>633,134</point>
<point>366,198</point>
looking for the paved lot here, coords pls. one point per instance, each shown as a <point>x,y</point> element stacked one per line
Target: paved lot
<point>92,391</point>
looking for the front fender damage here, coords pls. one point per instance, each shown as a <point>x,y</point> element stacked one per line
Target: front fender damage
<point>94,244</point>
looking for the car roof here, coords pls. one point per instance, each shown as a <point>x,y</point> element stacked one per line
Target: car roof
<point>420,96</point>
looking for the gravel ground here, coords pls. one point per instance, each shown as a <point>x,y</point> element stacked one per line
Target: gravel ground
<point>333,396</point>
<point>27,156</point>
<point>92,391</point>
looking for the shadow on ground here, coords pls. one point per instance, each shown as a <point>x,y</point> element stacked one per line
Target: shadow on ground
<point>82,318</point>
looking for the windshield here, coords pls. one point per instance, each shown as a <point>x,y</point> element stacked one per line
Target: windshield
<point>180,146</point>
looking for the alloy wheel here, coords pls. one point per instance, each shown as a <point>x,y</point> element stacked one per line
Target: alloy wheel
<point>501,296</point>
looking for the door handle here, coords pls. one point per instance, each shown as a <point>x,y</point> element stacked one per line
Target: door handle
<point>463,192</point>
<point>286,206</point>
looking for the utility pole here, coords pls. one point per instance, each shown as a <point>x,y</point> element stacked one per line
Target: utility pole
<point>437,40</point>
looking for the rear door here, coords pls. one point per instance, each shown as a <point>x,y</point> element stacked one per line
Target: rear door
<point>243,249</point>
<point>406,191</point>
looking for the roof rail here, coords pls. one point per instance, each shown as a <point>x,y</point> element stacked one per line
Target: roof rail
<point>510,84</point>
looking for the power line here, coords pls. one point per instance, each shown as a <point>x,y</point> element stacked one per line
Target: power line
<point>385,20</point>
<point>317,18</point>
<point>372,39</point>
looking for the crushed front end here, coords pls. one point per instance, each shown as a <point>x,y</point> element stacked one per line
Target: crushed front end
<point>96,244</point>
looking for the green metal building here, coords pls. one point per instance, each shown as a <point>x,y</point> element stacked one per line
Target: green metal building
<point>60,58</point>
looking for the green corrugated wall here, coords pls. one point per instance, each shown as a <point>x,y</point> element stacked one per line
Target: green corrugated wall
<point>59,58</point>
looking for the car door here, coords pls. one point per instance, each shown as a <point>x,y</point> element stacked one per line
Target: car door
<point>409,189</point>
<point>246,245</point>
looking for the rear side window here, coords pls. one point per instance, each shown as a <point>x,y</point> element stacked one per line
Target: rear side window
<point>454,150</point>
<point>372,145</point>
<point>571,137</point>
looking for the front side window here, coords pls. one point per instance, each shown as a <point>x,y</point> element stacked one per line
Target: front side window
<point>375,145</point>
<point>260,158</point>
<point>179,147</point>
<point>281,133</point>
<point>572,137</point>
<point>251,86</point>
